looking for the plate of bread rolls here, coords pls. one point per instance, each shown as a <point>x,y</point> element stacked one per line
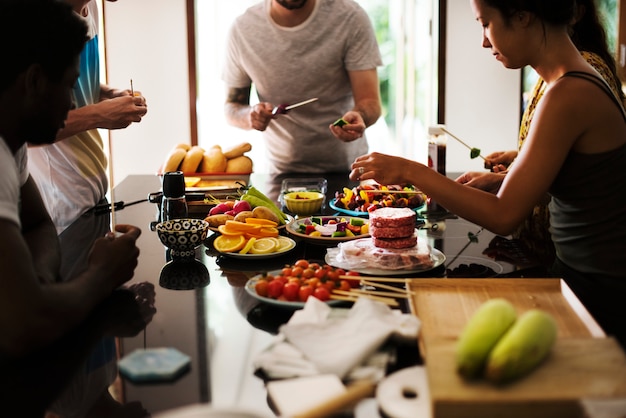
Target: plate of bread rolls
<point>214,168</point>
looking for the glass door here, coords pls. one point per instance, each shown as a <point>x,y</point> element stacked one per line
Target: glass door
<point>408,78</point>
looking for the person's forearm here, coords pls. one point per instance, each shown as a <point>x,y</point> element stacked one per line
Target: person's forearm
<point>369,109</point>
<point>55,310</point>
<point>237,115</point>
<point>80,120</point>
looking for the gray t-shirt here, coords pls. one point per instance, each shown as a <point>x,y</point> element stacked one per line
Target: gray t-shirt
<point>288,65</point>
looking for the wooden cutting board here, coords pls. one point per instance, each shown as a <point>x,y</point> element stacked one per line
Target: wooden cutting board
<point>583,363</point>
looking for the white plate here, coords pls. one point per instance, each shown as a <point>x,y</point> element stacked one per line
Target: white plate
<point>293,226</point>
<point>436,256</point>
<point>260,256</point>
<point>250,289</point>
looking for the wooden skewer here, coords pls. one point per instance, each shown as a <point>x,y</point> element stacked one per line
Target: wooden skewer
<point>353,298</point>
<point>461,141</point>
<point>353,393</point>
<point>111,184</point>
<point>384,286</point>
<point>349,293</point>
<point>394,294</point>
<point>375,279</point>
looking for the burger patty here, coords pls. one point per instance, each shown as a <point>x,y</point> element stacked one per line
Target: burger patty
<point>392,217</point>
<point>392,232</point>
<point>396,243</point>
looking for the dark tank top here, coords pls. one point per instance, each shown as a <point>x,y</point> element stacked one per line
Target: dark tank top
<point>590,236</point>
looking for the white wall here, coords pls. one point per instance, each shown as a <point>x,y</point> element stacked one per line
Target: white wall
<point>146,41</point>
<point>482,97</point>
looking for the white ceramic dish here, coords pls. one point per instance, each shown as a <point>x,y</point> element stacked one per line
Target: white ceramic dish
<point>436,256</point>
<point>250,284</point>
<point>292,228</point>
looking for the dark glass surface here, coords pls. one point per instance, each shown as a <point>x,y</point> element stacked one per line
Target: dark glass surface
<point>204,311</point>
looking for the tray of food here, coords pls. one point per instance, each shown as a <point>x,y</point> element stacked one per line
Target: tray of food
<point>362,199</point>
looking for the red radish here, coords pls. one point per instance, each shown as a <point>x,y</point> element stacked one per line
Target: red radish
<point>241,205</point>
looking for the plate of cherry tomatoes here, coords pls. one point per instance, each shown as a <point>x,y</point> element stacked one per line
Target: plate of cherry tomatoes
<point>292,285</point>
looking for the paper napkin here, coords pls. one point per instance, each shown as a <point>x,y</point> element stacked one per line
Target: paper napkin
<point>319,340</point>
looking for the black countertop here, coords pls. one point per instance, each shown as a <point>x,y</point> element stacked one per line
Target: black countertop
<point>204,311</point>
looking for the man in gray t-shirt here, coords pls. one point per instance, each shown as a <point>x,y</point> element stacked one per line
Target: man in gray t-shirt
<point>293,50</point>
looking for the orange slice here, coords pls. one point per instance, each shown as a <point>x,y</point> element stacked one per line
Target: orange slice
<point>268,232</point>
<point>224,230</point>
<point>241,226</point>
<point>261,221</point>
<point>229,243</point>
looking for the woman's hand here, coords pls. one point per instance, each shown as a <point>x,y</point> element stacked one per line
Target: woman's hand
<point>489,182</point>
<point>500,160</point>
<point>384,169</point>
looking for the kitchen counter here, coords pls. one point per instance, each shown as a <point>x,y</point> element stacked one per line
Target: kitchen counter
<point>205,312</point>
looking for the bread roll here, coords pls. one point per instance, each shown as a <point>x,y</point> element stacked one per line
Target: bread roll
<point>213,161</point>
<point>184,146</point>
<point>173,160</point>
<point>192,160</point>
<point>241,164</point>
<point>238,150</point>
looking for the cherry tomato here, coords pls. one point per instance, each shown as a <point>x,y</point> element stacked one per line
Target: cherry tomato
<point>313,282</point>
<point>344,285</point>
<point>291,290</point>
<point>308,272</point>
<point>286,271</point>
<point>261,287</point>
<point>304,293</point>
<point>314,266</point>
<point>297,271</point>
<point>275,289</point>
<point>295,280</point>
<point>301,263</point>
<point>322,294</point>
<point>329,285</point>
<point>353,282</point>
<point>320,273</point>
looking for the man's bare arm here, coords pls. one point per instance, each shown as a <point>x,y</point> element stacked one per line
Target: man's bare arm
<point>237,107</point>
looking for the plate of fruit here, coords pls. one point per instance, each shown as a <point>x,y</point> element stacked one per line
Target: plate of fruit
<point>362,199</point>
<point>251,204</point>
<point>253,238</point>
<point>292,285</point>
<point>329,229</point>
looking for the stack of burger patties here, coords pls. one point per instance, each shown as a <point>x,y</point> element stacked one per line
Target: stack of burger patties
<point>393,228</point>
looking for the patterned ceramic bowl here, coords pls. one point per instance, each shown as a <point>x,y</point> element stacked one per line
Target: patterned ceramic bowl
<point>182,236</point>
